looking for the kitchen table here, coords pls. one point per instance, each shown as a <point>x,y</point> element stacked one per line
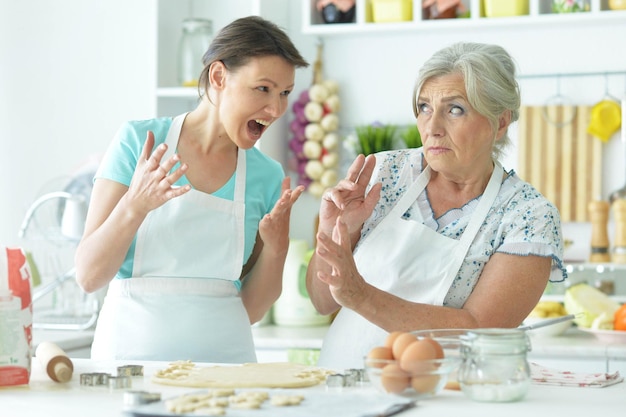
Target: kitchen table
<point>43,397</point>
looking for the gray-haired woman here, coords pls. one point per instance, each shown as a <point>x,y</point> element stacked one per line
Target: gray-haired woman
<point>440,236</point>
<point>189,222</point>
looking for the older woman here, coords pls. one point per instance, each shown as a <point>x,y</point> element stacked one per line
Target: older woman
<point>440,236</point>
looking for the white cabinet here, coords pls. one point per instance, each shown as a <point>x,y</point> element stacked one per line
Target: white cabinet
<point>540,12</point>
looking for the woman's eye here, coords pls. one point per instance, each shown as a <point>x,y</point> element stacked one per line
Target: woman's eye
<point>456,110</point>
<point>422,108</point>
<point>286,92</point>
<point>264,89</point>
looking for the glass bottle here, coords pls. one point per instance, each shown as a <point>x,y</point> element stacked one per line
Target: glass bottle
<point>494,366</point>
<point>196,37</point>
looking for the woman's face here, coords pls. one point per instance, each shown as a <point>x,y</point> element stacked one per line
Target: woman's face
<point>253,97</point>
<point>457,140</point>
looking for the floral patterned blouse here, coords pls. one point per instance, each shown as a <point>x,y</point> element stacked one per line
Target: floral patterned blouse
<point>520,222</point>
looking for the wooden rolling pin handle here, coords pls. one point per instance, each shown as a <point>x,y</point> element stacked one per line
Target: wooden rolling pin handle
<point>58,365</point>
<point>619,250</point>
<point>599,216</point>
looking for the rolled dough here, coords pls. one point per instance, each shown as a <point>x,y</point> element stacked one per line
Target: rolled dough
<point>249,375</point>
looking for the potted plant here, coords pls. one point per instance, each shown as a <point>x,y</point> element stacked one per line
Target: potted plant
<point>375,137</point>
<point>411,137</point>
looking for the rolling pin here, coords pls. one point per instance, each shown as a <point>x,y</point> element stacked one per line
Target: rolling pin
<point>56,362</point>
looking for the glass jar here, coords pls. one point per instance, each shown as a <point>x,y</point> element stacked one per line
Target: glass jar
<point>195,40</point>
<point>494,366</point>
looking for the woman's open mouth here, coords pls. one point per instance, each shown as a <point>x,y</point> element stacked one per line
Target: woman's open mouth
<point>257,127</point>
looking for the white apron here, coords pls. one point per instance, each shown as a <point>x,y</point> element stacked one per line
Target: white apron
<point>182,303</point>
<point>407,259</point>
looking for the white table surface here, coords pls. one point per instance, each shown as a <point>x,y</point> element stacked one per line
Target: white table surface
<point>43,397</point>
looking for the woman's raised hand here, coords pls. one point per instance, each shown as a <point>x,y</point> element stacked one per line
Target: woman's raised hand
<point>348,199</point>
<point>274,227</point>
<point>152,182</point>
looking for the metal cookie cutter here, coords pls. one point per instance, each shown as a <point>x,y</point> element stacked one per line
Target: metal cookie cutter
<point>130,370</point>
<point>117,382</point>
<point>336,381</point>
<point>93,379</point>
<point>359,375</point>
<point>135,398</point>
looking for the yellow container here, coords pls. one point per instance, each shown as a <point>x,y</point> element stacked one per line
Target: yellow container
<point>501,8</point>
<point>392,10</point>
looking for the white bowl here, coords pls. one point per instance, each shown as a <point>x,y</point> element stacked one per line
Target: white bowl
<point>552,330</point>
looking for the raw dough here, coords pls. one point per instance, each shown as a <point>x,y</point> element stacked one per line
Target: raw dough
<point>249,375</point>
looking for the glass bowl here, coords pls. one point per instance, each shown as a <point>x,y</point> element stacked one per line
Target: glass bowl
<point>419,378</point>
<point>426,379</point>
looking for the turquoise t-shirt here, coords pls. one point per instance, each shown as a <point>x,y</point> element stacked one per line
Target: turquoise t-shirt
<point>263,178</point>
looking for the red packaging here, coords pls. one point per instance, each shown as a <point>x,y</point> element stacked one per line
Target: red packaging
<point>16,318</point>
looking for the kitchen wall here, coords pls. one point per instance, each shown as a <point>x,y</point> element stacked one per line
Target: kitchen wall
<point>71,71</point>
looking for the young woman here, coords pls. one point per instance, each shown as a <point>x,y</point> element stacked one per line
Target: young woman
<point>188,224</point>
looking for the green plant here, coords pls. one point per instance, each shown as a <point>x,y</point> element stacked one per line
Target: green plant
<point>570,6</point>
<point>411,137</point>
<point>375,138</point>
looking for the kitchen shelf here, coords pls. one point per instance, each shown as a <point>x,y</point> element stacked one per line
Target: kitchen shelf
<point>539,13</point>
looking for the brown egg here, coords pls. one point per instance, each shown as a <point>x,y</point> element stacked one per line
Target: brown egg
<point>392,338</point>
<point>437,347</point>
<point>417,356</point>
<point>425,384</point>
<point>402,341</point>
<point>393,379</point>
<point>378,353</point>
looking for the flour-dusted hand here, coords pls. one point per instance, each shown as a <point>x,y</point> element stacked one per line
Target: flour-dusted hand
<point>274,226</point>
<point>348,198</point>
<point>151,185</point>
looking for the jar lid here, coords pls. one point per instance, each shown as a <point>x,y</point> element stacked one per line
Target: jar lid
<point>193,24</point>
<point>497,341</point>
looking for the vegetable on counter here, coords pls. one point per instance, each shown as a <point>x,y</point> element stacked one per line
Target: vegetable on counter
<point>599,309</point>
<point>619,318</point>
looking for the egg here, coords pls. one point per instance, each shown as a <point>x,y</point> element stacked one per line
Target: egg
<point>378,353</point>
<point>392,338</point>
<point>417,356</point>
<point>393,379</point>
<point>400,344</point>
<point>425,384</point>
<point>437,346</point>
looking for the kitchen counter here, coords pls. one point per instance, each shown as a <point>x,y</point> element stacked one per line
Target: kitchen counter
<point>43,397</point>
<point>587,353</point>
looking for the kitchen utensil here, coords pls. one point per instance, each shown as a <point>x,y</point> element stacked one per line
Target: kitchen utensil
<point>563,163</point>
<point>549,322</point>
<point>621,193</point>
<point>394,409</point>
<point>58,365</point>
<point>605,119</point>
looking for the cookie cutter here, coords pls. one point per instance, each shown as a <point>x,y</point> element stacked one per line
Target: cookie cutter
<point>93,379</point>
<point>135,398</point>
<point>120,382</point>
<point>335,381</point>
<point>359,375</point>
<point>130,370</point>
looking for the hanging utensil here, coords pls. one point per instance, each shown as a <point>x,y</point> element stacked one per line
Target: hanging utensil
<point>606,116</point>
<point>559,100</point>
